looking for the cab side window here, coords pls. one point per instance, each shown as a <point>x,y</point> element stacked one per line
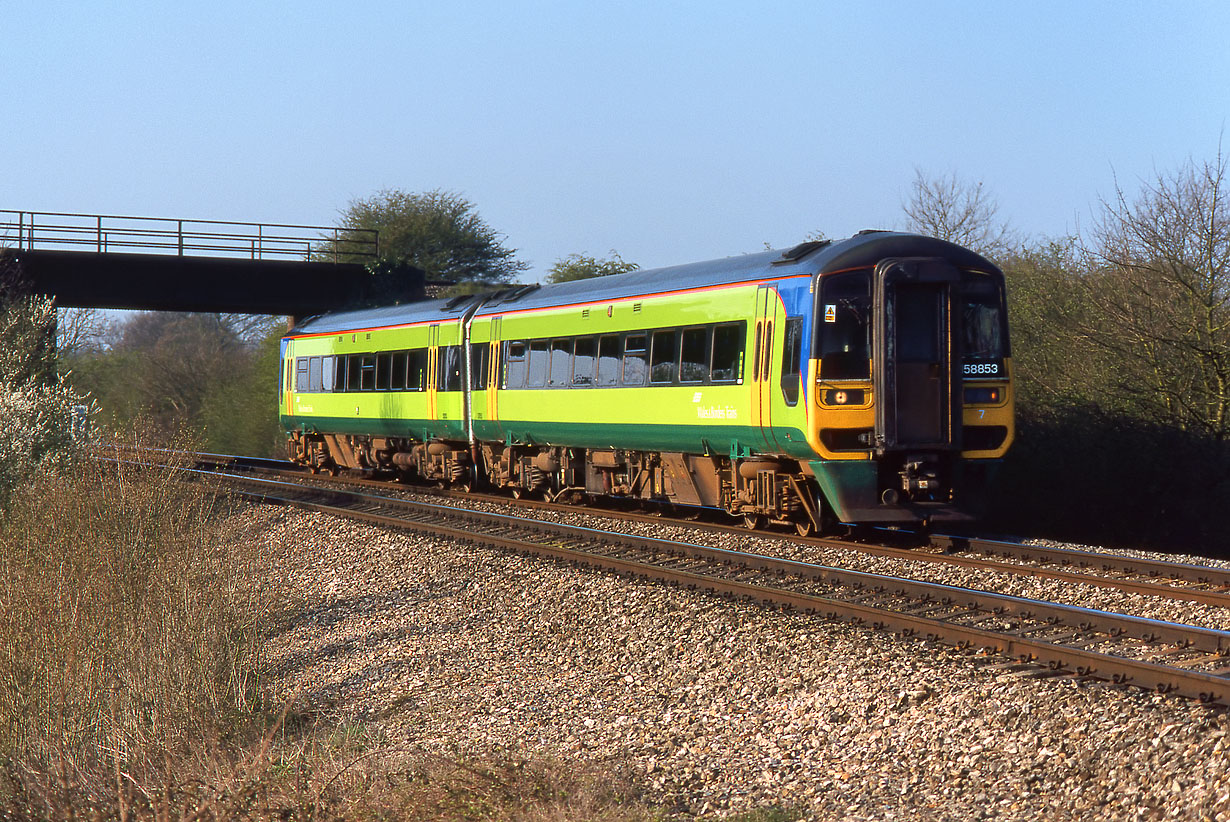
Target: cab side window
<point>792,358</point>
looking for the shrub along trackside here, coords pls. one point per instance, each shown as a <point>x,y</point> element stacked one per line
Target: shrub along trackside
<point>131,624</point>
<point>130,635</point>
<point>37,409</point>
<point>128,630</point>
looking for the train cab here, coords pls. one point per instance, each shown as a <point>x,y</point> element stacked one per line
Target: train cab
<point>913,399</point>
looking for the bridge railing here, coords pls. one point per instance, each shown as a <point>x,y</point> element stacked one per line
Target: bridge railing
<point>101,233</point>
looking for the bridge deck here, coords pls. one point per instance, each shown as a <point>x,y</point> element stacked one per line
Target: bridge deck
<point>150,263</point>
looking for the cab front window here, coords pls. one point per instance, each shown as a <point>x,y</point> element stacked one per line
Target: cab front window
<point>983,328</point>
<point>844,327</point>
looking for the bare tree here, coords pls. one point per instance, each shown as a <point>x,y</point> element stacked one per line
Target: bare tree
<point>252,328</point>
<point>963,213</point>
<point>79,330</point>
<point>1161,279</point>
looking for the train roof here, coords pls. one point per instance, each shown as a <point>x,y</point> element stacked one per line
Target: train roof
<point>806,259</point>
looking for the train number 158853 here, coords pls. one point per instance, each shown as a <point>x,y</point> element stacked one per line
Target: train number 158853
<point>981,369</point>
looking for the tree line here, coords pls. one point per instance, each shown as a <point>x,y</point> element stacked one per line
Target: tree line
<point>1121,343</point>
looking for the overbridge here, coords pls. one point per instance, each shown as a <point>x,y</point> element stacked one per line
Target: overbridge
<point>159,264</point>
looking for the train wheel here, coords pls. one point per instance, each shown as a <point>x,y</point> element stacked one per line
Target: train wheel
<point>753,522</point>
<point>804,527</point>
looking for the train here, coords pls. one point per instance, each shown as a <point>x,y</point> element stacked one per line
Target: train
<point>862,381</point>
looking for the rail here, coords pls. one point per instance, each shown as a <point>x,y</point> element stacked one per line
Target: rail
<point>1039,637</point>
<point>1048,637</point>
<point>103,233</point>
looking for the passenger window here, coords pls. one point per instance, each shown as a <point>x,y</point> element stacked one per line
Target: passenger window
<point>479,352</point>
<point>608,361</point>
<point>635,364</point>
<point>728,342</point>
<point>301,375</point>
<point>314,375</point>
<point>339,373</point>
<point>326,374</point>
<point>368,367</point>
<point>399,363</point>
<point>583,361</point>
<point>792,356</point>
<point>694,355</point>
<point>845,327</point>
<point>449,378</point>
<point>416,375</point>
<point>536,376</point>
<point>665,356</point>
<point>514,377</point>
<point>384,371</point>
<point>561,363</point>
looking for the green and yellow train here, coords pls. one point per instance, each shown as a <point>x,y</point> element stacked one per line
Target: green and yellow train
<point>861,381</point>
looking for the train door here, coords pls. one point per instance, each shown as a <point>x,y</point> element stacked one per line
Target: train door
<point>767,302</point>
<point>433,369</point>
<point>285,383</point>
<point>494,376</point>
<point>916,379</point>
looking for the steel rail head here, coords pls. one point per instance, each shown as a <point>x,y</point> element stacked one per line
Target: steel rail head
<point>1110,623</point>
<point>1075,658</point>
<point>1202,686</point>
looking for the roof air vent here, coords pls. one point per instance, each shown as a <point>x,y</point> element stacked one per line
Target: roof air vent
<point>458,300</point>
<point>793,255</point>
<point>517,292</point>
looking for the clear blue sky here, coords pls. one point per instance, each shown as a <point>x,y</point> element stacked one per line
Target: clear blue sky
<point>669,131</point>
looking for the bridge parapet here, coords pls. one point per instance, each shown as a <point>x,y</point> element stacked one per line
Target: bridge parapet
<point>103,234</point>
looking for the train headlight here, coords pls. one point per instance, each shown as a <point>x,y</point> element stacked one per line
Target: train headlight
<point>982,396</point>
<point>844,396</point>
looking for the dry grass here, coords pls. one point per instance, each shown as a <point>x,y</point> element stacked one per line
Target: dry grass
<point>130,634</point>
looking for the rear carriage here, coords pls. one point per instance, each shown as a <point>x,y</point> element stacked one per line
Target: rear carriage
<point>861,381</point>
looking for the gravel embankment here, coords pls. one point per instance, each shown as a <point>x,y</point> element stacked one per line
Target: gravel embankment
<point>1087,596</point>
<point>716,706</point>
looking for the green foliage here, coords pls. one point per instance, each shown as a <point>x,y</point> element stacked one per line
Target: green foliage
<point>1087,474</point>
<point>239,416</point>
<point>438,232</point>
<point>581,267</point>
<point>1121,350</point>
<point>1047,308</point>
<point>190,371</point>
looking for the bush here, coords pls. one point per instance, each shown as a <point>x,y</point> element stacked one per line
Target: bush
<point>129,681</point>
<point>1084,474</point>
<point>37,410</point>
<point>126,624</point>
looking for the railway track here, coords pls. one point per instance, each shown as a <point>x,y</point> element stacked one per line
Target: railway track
<point>1040,638</point>
<point>1184,582</point>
